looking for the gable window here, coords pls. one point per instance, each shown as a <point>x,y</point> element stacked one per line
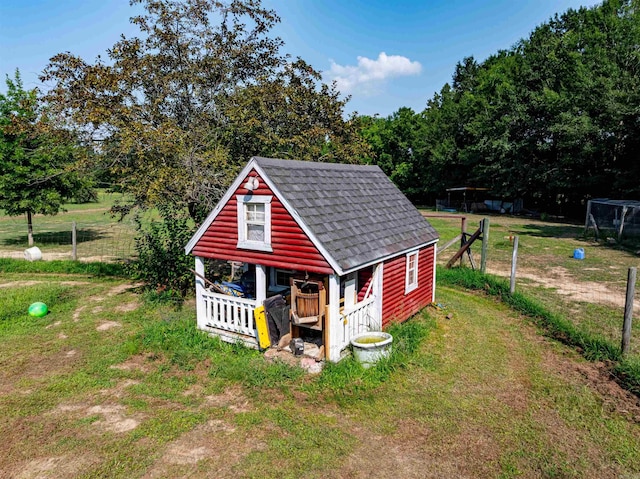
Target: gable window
<point>411,277</point>
<point>254,222</point>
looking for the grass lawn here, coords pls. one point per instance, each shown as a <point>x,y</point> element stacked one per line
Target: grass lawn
<point>591,292</point>
<point>99,236</point>
<point>108,385</point>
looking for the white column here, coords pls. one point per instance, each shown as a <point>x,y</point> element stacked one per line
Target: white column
<point>261,284</point>
<point>377,291</point>
<point>335,321</point>
<point>435,252</point>
<point>200,305</point>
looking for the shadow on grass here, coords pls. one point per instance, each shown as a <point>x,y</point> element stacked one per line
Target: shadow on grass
<point>552,231</point>
<point>59,238</point>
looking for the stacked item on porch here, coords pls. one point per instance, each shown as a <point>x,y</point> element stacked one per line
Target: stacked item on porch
<point>277,311</point>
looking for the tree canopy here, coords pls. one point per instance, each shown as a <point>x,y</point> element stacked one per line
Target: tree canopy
<point>205,86</point>
<point>554,120</point>
<point>37,160</point>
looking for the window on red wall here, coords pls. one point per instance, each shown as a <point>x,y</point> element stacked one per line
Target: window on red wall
<point>411,277</point>
<point>254,222</point>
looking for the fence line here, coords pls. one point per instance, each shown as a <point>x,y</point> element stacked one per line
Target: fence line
<point>589,292</point>
<point>83,241</point>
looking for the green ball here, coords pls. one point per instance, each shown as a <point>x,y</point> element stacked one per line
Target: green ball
<point>38,310</point>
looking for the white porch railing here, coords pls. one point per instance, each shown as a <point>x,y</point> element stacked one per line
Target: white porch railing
<point>229,313</point>
<point>363,317</point>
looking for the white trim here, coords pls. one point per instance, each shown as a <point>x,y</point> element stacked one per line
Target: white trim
<point>243,242</point>
<point>298,219</point>
<point>392,255</point>
<point>433,289</point>
<point>221,204</point>
<point>408,287</point>
<point>200,288</point>
<point>261,284</point>
<point>378,288</point>
<point>350,282</point>
<point>252,164</point>
<point>335,323</point>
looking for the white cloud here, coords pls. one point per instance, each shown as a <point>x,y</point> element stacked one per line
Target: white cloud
<point>369,75</point>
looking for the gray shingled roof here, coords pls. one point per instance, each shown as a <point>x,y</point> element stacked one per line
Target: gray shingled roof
<point>354,211</point>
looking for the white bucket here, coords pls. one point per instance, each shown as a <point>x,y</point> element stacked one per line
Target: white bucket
<point>369,348</point>
<point>33,254</point>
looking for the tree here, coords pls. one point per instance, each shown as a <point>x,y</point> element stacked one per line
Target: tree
<point>553,120</point>
<point>37,171</point>
<point>179,109</point>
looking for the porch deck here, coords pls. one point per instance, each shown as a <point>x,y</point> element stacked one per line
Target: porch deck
<point>231,318</point>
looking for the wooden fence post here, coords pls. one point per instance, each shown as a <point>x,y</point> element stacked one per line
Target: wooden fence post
<point>628,310</point>
<point>485,244</point>
<point>514,260</point>
<point>74,241</point>
<point>463,235</point>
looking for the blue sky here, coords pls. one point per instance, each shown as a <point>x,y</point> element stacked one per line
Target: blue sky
<point>385,54</point>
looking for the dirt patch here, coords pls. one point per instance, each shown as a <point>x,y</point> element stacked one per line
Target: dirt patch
<point>598,376</point>
<point>55,467</point>
<point>413,452</point>
<point>564,284</point>
<point>119,390</point>
<point>114,419</point>
<point>121,288</point>
<point>36,366</point>
<point>106,325</point>
<point>127,307</point>
<point>232,398</point>
<point>77,312</point>
<point>135,363</point>
<point>215,442</point>
<point>113,416</point>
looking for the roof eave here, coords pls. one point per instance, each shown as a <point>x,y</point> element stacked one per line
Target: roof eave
<point>389,256</point>
<point>223,201</point>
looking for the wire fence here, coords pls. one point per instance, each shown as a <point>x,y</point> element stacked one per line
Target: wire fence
<point>584,281</point>
<point>92,241</point>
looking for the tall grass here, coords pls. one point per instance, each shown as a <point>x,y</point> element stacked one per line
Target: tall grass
<point>593,347</point>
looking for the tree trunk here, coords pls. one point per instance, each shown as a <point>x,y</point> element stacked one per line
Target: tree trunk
<point>29,228</point>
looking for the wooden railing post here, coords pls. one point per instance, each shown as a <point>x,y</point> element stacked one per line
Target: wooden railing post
<point>74,242</point>
<point>463,235</point>
<point>514,260</point>
<point>628,310</point>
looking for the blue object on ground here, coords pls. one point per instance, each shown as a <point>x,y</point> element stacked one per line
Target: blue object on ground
<point>578,253</point>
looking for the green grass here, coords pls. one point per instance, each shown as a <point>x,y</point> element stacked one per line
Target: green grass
<point>592,346</point>
<point>588,293</point>
<point>465,390</point>
<point>8,265</point>
<point>99,235</point>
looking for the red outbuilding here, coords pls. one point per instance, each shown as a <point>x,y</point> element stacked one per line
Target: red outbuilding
<point>344,247</point>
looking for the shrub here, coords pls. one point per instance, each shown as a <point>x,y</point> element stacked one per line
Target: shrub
<point>161,262</point>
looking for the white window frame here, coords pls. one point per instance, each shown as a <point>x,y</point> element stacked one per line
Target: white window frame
<point>411,286</point>
<point>243,242</point>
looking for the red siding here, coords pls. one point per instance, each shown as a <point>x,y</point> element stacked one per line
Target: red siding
<point>292,248</point>
<point>364,278</point>
<point>396,306</point>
